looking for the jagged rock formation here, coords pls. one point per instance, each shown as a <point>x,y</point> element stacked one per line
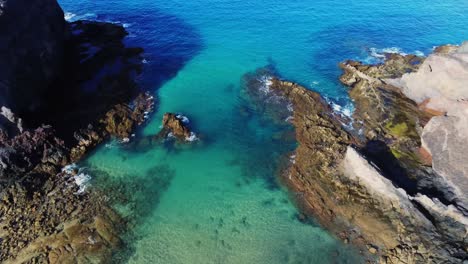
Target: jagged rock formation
<point>32,34</point>
<point>25,151</point>
<point>439,87</point>
<point>375,185</point>
<point>45,216</point>
<point>176,126</point>
<point>119,122</point>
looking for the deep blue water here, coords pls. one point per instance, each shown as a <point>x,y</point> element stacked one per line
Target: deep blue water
<point>218,202</point>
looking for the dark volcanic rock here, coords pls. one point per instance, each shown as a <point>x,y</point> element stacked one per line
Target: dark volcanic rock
<point>32,34</point>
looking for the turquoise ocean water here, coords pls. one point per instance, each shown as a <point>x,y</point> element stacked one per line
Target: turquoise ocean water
<point>218,201</point>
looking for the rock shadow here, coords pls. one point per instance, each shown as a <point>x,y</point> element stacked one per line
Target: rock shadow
<point>102,68</point>
<point>262,134</point>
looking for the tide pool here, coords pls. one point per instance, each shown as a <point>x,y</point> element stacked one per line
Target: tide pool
<point>218,201</point>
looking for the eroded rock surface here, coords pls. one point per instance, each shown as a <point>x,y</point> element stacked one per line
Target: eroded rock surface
<point>375,184</point>
<point>440,86</point>
<point>79,79</point>
<point>176,126</point>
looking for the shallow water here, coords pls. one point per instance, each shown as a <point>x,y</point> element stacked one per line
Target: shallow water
<point>218,201</point>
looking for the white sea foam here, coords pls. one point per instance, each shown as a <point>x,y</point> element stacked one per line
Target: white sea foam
<point>346,110</point>
<point>292,158</point>
<point>80,177</point>
<point>69,169</point>
<point>110,145</point>
<point>266,83</point>
<point>69,16</point>
<point>183,118</point>
<point>192,137</point>
<point>419,53</point>
<point>378,55</point>
<point>82,180</point>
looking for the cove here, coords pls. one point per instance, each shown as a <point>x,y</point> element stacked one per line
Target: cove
<point>218,202</point>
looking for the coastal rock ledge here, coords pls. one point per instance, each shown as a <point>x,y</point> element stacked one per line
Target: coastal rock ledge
<point>383,180</point>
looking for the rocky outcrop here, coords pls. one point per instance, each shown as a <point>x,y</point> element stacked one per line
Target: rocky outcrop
<point>397,111</point>
<point>373,182</point>
<point>45,215</point>
<point>32,37</point>
<point>439,87</point>
<point>176,126</point>
<point>98,74</point>
<point>79,79</point>
<point>24,152</point>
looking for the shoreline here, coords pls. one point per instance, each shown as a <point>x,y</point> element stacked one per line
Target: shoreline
<point>378,190</point>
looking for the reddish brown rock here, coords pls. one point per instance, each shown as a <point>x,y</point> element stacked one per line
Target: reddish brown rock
<point>175,125</point>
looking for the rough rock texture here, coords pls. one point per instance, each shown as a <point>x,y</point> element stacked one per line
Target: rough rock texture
<point>32,36</point>
<point>442,75</point>
<point>399,121</point>
<point>118,122</point>
<point>22,153</point>
<point>79,79</point>
<point>46,220</point>
<point>440,86</point>
<point>373,185</point>
<point>175,125</point>
<point>44,216</point>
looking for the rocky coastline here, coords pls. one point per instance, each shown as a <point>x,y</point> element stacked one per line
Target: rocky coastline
<point>64,89</point>
<point>390,180</point>
<point>383,179</point>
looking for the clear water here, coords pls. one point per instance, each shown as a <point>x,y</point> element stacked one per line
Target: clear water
<point>218,202</point>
